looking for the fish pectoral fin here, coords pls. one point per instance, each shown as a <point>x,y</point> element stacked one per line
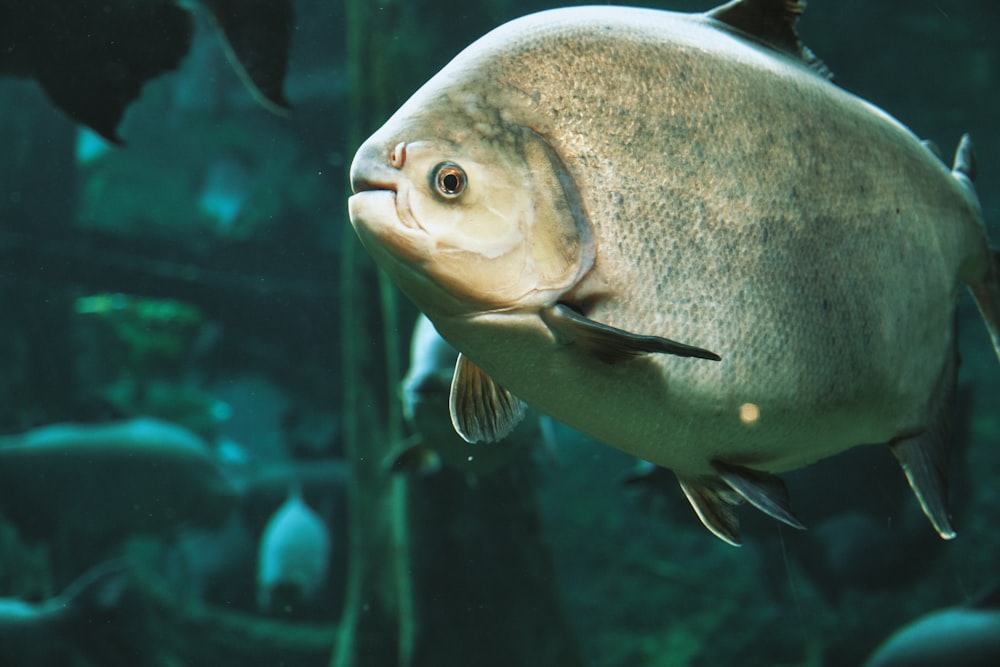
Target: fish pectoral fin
<point>609,344</point>
<point>481,410</point>
<point>772,23</point>
<point>763,490</point>
<point>715,504</point>
<point>924,455</point>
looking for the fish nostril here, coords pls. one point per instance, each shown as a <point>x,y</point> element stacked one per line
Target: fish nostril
<point>397,158</point>
<point>369,170</point>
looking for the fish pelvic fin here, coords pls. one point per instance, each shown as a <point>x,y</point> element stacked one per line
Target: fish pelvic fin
<point>924,455</point>
<point>715,504</point>
<point>763,490</point>
<point>609,344</point>
<point>481,410</point>
<point>772,23</point>
<point>715,499</point>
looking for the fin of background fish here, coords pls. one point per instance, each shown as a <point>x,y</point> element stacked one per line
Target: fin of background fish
<point>93,62</point>
<point>481,410</point>
<point>643,474</point>
<point>987,297</point>
<point>987,292</point>
<point>924,456</point>
<point>715,505</point>
<point>988,599</point>
<point>257,38</point>
<point>416,458</point>
<point>609,344</point>
<point>771,22</point>
<point>763,490</point>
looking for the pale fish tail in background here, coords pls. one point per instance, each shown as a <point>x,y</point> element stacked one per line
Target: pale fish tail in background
<point>294,556</point>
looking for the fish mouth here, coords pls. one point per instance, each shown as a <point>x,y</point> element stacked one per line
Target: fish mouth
<point>360,183</point>
<point>368,189</point>
<point>374,180</point>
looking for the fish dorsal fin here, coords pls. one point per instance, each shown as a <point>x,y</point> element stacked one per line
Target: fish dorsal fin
<point>609,344</point>
<point>965,159</point>
<point>772,23</point>
<point>481,410</point>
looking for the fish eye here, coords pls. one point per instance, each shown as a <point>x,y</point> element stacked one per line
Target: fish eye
<point>449,180</point>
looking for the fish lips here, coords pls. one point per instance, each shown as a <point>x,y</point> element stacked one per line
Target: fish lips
<point>381,225</point>
<point>376,206</point>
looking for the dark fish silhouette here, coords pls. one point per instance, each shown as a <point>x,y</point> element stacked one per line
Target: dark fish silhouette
<point>92,58</point>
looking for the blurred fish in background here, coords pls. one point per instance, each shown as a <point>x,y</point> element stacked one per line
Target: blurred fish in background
<point>256,36</point>
<point>963,636</point>
<point>91,616</point>
<point>424,392</point>
<point>98,484</point>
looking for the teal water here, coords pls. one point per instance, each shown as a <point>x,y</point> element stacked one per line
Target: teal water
<point>196,274</point>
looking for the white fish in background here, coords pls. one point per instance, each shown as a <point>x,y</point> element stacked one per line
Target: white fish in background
<point>595,204</point>
<point>293,557</point>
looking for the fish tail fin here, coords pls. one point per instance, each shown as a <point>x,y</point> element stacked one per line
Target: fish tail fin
<point>103,618</point>
<point>986,290</point>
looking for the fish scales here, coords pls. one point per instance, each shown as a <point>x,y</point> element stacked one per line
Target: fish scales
<point>725,196</point>
<point>817,216</point>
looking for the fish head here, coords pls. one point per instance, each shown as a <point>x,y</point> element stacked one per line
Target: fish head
<point>468,211</point>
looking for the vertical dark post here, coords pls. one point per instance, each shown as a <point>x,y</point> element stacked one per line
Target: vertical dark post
<point>440,572</point>
<point>37,200</point>
<point>375,629</point>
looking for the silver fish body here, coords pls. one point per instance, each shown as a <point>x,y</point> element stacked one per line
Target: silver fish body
<point>623,174</point>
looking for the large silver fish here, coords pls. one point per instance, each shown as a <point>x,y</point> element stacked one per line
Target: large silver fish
<point>595,204</point>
